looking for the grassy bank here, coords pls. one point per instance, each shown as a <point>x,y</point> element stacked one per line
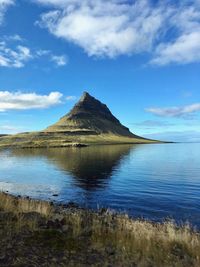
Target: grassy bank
<point>37,233</point>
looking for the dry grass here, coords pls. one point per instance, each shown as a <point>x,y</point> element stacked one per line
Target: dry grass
<point>141,242</point>
<point>111,239</point>
<point>24,205</point>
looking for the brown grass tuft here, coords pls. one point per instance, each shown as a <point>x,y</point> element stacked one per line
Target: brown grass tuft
<point>21,204</point>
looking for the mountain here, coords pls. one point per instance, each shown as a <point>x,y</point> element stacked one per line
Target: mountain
<point>89,122</point>
<point>90,116</point>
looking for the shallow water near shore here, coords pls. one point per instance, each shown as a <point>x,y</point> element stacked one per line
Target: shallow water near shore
<point>155,181</point>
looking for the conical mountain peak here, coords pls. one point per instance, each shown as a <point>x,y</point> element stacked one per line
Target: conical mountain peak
<point>91,116</point>
<point>89,107</point>
<point>85,96</point>
<point>86,100</point>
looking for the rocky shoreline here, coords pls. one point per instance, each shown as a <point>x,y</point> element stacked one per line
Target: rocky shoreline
<point>40,233</point>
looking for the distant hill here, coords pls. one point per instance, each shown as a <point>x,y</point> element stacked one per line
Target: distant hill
<point>89,122</point>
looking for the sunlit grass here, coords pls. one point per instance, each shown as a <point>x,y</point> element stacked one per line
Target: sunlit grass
<point>19,205</point>
<point>120,240</point>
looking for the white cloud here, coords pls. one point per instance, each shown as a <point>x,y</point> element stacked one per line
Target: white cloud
<point>15,38</point>
<point>186,49</point>
<point>18,56</point>
<point>168,30</point>
<point>42,52</point>
<point>59,60</point>
<point>105,28</point>
<point>9,129</point>
<point>182,136</point>
<point>183,112</point>
<point>71,98</point>
<point>148,124</point>
<point>14,57</point>
<point>4,4</point>
<point>23,101</point>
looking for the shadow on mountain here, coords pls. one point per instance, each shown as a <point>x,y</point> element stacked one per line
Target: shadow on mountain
<point>90,167</point>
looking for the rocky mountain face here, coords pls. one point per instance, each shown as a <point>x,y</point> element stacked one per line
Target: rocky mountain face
<point>90,116</point>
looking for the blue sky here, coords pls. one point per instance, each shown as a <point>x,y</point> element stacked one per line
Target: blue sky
<point>141,58</point>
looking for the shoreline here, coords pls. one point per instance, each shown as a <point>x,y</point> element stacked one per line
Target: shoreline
<point>40,233</point>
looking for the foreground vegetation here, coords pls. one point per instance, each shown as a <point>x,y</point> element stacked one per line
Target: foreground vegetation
<point>37,233</point>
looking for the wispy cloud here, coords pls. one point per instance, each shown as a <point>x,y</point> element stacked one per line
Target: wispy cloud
<point>168,30</point>
<point>4,4</point>
<point>10,129</point>
<point>18,55</point>
<point>185,49</point>
<point>182,112</point>
<point>150,124</point>
<point>15,37</point>
<point>59,60</point>
<point>187,94</point>
<point>14,57</point>
<point>181,136</point>
<point>24,101</point>
<point>42,52</point>
<point>71,98</point>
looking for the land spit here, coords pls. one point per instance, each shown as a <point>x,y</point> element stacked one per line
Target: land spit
<point>40,233</point>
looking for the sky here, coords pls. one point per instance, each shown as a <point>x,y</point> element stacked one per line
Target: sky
<point>140,57</point>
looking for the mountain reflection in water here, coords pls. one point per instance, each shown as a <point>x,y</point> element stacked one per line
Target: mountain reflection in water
<point>90,167</point>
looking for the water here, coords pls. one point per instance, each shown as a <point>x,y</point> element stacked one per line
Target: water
<point>156,181</point>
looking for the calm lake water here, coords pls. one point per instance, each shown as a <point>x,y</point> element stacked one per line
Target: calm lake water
<point>150,181</point>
